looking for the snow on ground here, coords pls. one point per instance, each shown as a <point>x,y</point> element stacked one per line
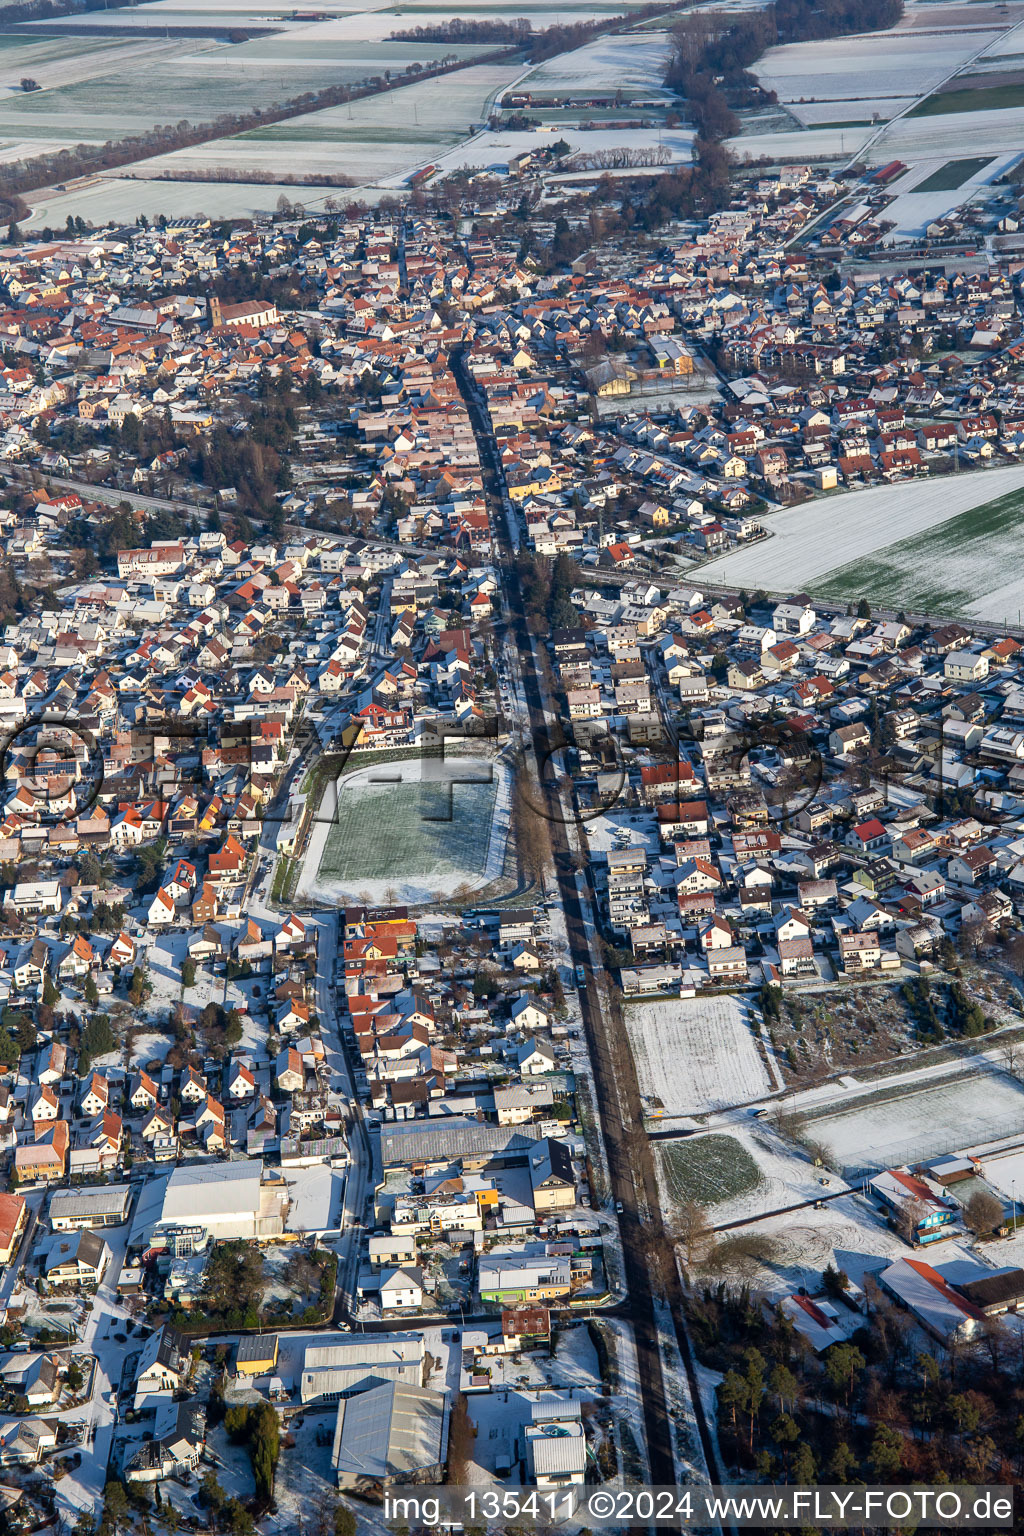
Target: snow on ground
<point>696,1054</point>
<point>394,835</point>
<point>906,1122</point>
<point>373,139</point>
<point>616,62</point>
<point>951,134</point>
<point>787,1175</point>
<point>822,535</point>
<point>857,109</point>
<point>913,211</point>
<point>495,149</point>
<point>628,829</point>
<point>869,64</point>
<point>827,143</point>
<point>119,199</point>
<point>848,1233</point>
<point>316,1194</point>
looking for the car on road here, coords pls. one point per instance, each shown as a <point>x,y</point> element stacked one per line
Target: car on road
<point>581,976</point>
<point>618,1207</point>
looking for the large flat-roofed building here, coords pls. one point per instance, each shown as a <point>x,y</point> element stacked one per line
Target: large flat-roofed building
<point>390,1434</point>
<point>102,1205</point>
<point>209,1202</point>
<point>332,1371</point>
<point>410,1143</point>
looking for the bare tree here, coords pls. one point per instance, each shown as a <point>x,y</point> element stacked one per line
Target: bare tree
<point>693,1232</point>
<point>983,1213</point>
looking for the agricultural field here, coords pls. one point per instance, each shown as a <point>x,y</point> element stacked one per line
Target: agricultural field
<point>821,542</point>
<point>956,568</point>
<point>372,140</point>
<point>735,1175</point>
<point>696,1054</point>
<point>193,80</point>
<point>984,98</point>
<point>868,66</point>
<point>633,64</point>
<point>120,199</point>
<point>905,1121</point>
<point>932,187</point>
<point>951,176</point>
<point>409,831</point>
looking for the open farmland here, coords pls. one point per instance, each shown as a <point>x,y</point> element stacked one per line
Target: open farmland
<point>630,64</point>
<point>370,139</point>
<point>932,187</point>
<point>696,1054</point>
<point>868,65</point>
<point>120,199</point>
<point>955,568</point>
<point>197,81</point>
<point>823,537</point>
<point>904,1122</point>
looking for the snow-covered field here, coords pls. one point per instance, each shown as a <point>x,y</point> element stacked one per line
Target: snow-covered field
<point>372,139</point>
<point>786,1175</point>
<point>494,149</point>
<point>847,1233</point>
<point>951,134</point>
<point>913,211</point>
<point>616,62</point>
<point>868,65</point>
<point>959,567</point>
<point>822,535</point>
<point>918,1120</point>
<point>696,1054</point>
<point>859,109</point>
<point>409,831</point>
<point>119,199</point>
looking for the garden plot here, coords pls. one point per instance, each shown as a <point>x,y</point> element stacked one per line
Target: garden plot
<point>627,63</point>
<point>409,831</point>
<point>823,536</point>
<point>696,1054</point>
<point>739,1175</point>
<point>905,1122</point>
<point>955,568</point>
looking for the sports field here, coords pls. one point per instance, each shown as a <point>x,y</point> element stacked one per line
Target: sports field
<point>409,831</point>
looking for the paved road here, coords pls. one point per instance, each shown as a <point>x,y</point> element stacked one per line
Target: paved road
<point>638,1208</point>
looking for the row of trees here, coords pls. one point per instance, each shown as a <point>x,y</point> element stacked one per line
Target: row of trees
<point>713,53</point>
<point>20,176</point>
